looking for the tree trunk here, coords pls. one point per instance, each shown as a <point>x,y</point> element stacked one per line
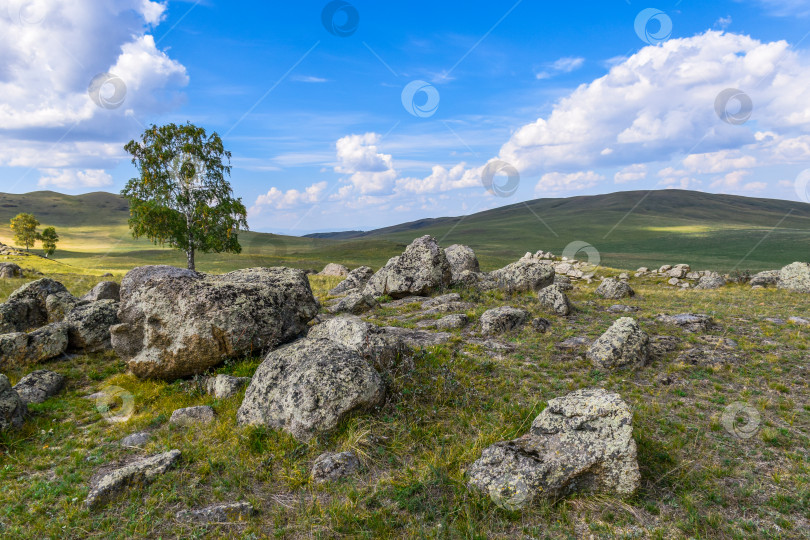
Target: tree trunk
<point>190,256</point>
<point>190,252</point>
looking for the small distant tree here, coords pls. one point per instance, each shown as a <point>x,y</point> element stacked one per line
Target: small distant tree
<point>182,197</point>
<point>49,239</point>
<point>24,227</point>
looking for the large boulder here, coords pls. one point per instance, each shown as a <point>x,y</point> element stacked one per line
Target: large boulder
<point>462,259</point>
<point>525,275</point>
<point>334,270</point>
<point>13,348</point>
<point>10,270</point>
<point>39,385</point>
<point>47,342</point>
<point>58,305</point>
<point>12,408</point>
<point>614,289</point>
<point>89,325</point>
<point>795,277</point>
<point>308,387</point>
<point>580,442</point>
<point>176,323</point>
<point>553,298</point>
<point>105,290</point>
<point>381,349</point>
<point>22,315</point>
<point>421,269</point>
<point>356,279</point>
<point>503,319</point>
<point>623,344</point>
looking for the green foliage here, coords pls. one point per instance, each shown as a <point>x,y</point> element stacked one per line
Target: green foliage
<point>49,239</point>
<point>24,227</point>
<point>182,198</point>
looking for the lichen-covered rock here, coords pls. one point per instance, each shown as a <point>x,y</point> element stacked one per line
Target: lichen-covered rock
<point>382,350</point>
<point>136,440</point>
<point>795,277</point>
<point>712,280</point>
<point>331,466</point>
<point>107,484</point>
<point>22,315</point>
<point>225,386</point>
<point>355,303</point>
<point>765,279</point>
<point>452,322</point>
<point>554,299</point>
<point>10,270</point>
<point>89,325</point>
<point>421,269</point>
<point>417,339</point>
<point>201,414</point>
<point>678,271</point>
<point>176,323</point>
<point>12,349</point>
<point>623,344</point>
<point>356,279</point>
<point>614,289</point>
<point>58,305</point>
<point>47,342</point>
<point>580,442</point>
<point>525,275</point>
<point>334,270</point>
<point>105,290</point>
<point>503,319</point>
<point>37,290</point>
<point>12,408</point>
<point>218,513</point>
<point>39,385</point>
<point>308,387</point>
<point>462,259</point>
<point>690,322</point>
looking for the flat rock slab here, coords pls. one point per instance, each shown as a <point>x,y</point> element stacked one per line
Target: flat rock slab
<point>39,385</point>
<point>218,513</point>
<point>202,414</point>
<point>417,338</point>
<point>406,301</point>
<point>621,308</point>
<point>690,322</point>
<point>107,484</point>
<point>574,343</point>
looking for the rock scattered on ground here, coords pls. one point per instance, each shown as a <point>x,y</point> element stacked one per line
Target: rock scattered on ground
<point>462,259</point>
<point>621,308</point>
<point>225,386</point>
<point>10,270</point>
<point>383,350</point>
<point>452,322</point>
<point>711,281</point>
<point>355,303</point>
<point>136,440</point>
<point>795,277</point>
<point>39,385</point>
<point>332,466</point>
<point>421,269</point>
<point>614,289</point>
<point>690,322</point>
<point>356,280</point>
<point>105,485</point>
<point>574,342</point>
<point>105,290</point>
<point>623,344</point>
<point>580,442</point>
<point>541,325</point>
<point>503,319</point>
<point>218,513</point>
<point>525,275</point>
<point>201,414</point>
<point>12,408</point>
<point>554,299</point>
<point>334,270</point>
<point>308,387</point>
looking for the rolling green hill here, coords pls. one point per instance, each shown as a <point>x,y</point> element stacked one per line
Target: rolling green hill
<point>629,229</point>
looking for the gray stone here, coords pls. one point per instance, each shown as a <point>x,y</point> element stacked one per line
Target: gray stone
<point>563,282</point>
<point>525,275</point>
<point>678,271</point>
<point>308,387</point>
<point>574,342</point>
<point>59,304</point>
<point>795,277</point>
<point>553,299</point>
<point>799,320</point>
<point>355,303</point>
<point>12,408</point>
<point>452,322</point>
<point>621,308</point>
<point>39,385</point>
<point>176,323</point>
<point>417,339</point>
<point>218,513</point>
<point>356,279</point>
<point>711,281</point>
<point>45,343</point>
<point>225,386</point>
<point>690,322</point>
<point>765,279</point>
<point>541,325</point>
<point>105,485</point>
<point>421,269</point>
<point>89,326</point>
<point>503,319</point>
<point>623,344</point>
<point>581,442</point>
<point>10,271</point>
<point>462,259</point>
<point>13,349</point>
<point>334,270</point>
<point>136,440</point>
<point>105,290</point>
<point>331,466</point>
<point>381,349</point>
<point>614,289</point>
<point>201,414</point>
<point>22,315</point>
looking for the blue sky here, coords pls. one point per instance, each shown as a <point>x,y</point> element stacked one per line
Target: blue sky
<point>567,98</point>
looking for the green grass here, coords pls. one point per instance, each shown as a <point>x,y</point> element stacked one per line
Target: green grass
<point>698,481</point>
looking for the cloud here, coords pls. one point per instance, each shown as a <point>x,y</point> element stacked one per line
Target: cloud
<point>73,178</point>
<point>660,103</point>
<point>632,173</point>
<point>292,198</point>
<point>723,22</point>
<point>370,171</point>
<point>561,182</point>
<point>309,79</point>
<point>563,65</point>
<point>51,52</point>
<point>442,179</point>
